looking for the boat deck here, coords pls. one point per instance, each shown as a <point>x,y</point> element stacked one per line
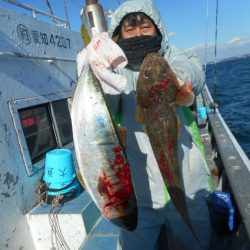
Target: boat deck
<point>103,236</point>
<point>77,223</point>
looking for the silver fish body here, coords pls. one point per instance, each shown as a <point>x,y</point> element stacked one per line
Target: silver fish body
<point>100,155</point>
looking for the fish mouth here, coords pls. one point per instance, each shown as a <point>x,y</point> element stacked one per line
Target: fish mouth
<point>122,214</point>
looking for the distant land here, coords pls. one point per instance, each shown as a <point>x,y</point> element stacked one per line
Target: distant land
<point>232,49</point>
<point>230,58</point>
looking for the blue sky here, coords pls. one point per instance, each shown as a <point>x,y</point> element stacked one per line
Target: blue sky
<point>186,22</point>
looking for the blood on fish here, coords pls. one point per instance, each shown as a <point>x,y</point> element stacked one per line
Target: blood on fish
<point>163,84</point>
<point>118,191</point>
<point>160,85</point>
<point>164,168</point>
<point>170,144</point>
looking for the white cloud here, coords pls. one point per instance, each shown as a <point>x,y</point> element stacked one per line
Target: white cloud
<point>201,47</point>
<point>237,41</point>
<point>234,40</point>
<point>235,46</point>
<point>171,34</point>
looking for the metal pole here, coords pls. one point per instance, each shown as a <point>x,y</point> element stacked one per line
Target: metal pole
<point>93,18</point>
<point>215,53</point>
<point>89,2</point>
<point>34,11</point>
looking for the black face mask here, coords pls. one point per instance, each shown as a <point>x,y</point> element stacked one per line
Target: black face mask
<point>136,49</point>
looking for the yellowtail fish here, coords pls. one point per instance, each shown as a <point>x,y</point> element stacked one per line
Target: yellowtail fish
<point>156,91</point>
<point>100,155</point>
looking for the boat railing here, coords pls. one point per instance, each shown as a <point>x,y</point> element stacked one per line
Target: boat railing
<point>34,11</point>
<point>46,58</point>
<point>236,163</point>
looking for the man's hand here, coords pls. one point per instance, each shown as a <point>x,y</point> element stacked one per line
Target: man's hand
<point>104,56</point>
<point>185,95</point>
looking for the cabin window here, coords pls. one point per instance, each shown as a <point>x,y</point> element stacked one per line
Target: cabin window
<point>46,127</point>
<point>38,131</point>
<point>63,121</point>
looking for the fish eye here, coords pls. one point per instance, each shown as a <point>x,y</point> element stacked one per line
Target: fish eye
<point>147,73</point>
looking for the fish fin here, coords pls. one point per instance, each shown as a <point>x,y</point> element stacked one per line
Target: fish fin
<point>139,115</point>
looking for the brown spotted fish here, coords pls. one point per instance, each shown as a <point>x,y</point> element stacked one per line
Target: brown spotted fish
<point>156,92</point>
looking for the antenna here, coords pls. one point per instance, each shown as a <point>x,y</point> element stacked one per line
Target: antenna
<point>50,9</point>
<point>215,52</point>
<point>66,13</point>
<point>205,52</point>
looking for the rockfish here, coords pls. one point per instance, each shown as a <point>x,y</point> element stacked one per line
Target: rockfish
<point>100,155</point>
<point>156,91</point>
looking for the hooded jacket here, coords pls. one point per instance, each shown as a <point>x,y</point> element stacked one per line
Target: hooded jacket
<point>186,65</point>
<point>148,182</point>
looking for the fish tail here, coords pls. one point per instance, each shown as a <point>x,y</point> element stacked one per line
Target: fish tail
<point>189,224</point>
<point>178,198</point>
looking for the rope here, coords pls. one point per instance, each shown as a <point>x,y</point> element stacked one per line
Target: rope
<point>57,202</point>
<point>56,232</point>
<point>43,189</point>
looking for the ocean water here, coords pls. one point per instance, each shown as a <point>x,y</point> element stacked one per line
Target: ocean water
<point>233,96</point>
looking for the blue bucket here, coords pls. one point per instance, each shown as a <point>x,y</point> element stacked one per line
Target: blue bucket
<point>60,172</point>
<point>202,111</point>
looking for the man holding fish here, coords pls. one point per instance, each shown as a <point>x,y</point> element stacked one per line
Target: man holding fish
<point>182,215</point>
